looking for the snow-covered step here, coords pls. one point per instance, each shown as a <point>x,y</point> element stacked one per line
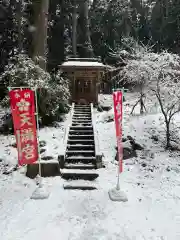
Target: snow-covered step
<point>90,130</point>
<point>80,147</point>
<point>80,159</point>
<point>71,136</point>
<point>81,124</point>
<point>80,185</point>
<point>82,110</point>
<point>81,120</point>
<point>82,114</point>
<point>80,141</point>
<point>79,166</point>
<point>80,152</point>
<point>82,106</point>
<point>88,175</point>
<point>81,132</point>
<point>80,127</point>
<point>77,117</point>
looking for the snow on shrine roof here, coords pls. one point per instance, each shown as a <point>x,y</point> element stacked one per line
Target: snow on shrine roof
<point>83,64</point>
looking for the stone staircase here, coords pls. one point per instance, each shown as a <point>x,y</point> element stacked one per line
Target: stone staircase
<point>80,160</point>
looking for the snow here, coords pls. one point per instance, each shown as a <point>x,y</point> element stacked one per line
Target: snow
<point>151,213</point>
<point>82,64</point>
<point>78,171</point>
<point>81,183</point>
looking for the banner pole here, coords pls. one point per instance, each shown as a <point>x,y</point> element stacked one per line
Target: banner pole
<point>119,162</point>
<point>116,194</point>
<point>37,125</point>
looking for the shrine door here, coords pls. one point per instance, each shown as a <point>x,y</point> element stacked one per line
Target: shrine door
<point>83,91</point>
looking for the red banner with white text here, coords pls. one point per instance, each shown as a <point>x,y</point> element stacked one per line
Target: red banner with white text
<point>118,102</point>
<point>23,113</point>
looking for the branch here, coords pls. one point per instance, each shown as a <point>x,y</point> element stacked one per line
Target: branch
<point>157,93</point>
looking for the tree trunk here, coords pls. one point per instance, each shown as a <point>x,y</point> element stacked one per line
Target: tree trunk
<point>20,30</point>
<point>74,30</point>
<point>167,134</point>
<point>40,38</point>
<point>85,36</point>
<point>141,104</point>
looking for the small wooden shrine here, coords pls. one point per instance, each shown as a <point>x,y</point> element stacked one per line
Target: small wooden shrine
<point>85,75</point>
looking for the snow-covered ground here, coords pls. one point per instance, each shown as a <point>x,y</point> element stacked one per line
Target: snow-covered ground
<point>151,213</point>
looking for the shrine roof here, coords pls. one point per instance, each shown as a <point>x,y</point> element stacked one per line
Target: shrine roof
<point>83,64</point>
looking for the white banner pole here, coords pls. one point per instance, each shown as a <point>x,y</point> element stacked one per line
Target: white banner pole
<point>40,192</point>
<point>37,126</point>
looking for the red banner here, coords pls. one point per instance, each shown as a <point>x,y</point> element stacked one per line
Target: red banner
<point>23,113</point>
<point>118,102</point>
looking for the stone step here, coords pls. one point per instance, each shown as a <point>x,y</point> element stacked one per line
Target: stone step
<point>80,159</point>
<point>77,120</point>
<point>82,111</point>
<point>81,124</point>
<point>76,116</point>
<point>74,174</point>
<point>88,114</point>
<point>79,166</point>
<point>76,147</point>
<point>80,185</point>
<point>81,120</point>
<point>81,132</point>
<point>82,116</point>
<point>87,153</point>
<point>82,106</point>
<point>80,142</point>
<point>80,136</point>
<point>81,128</point>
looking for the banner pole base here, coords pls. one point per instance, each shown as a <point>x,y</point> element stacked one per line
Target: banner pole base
<point>40,192</point>
<point>117,196</point>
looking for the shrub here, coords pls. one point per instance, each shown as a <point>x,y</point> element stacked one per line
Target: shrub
<point>52,91</point>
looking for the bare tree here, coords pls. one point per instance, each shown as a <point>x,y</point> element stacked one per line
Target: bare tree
<point>141,99</point>
<point>168,96</point>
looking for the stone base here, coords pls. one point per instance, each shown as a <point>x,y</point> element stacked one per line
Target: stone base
<point>48,169</point>
<point>117,195</point>
<point>40,193</point>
